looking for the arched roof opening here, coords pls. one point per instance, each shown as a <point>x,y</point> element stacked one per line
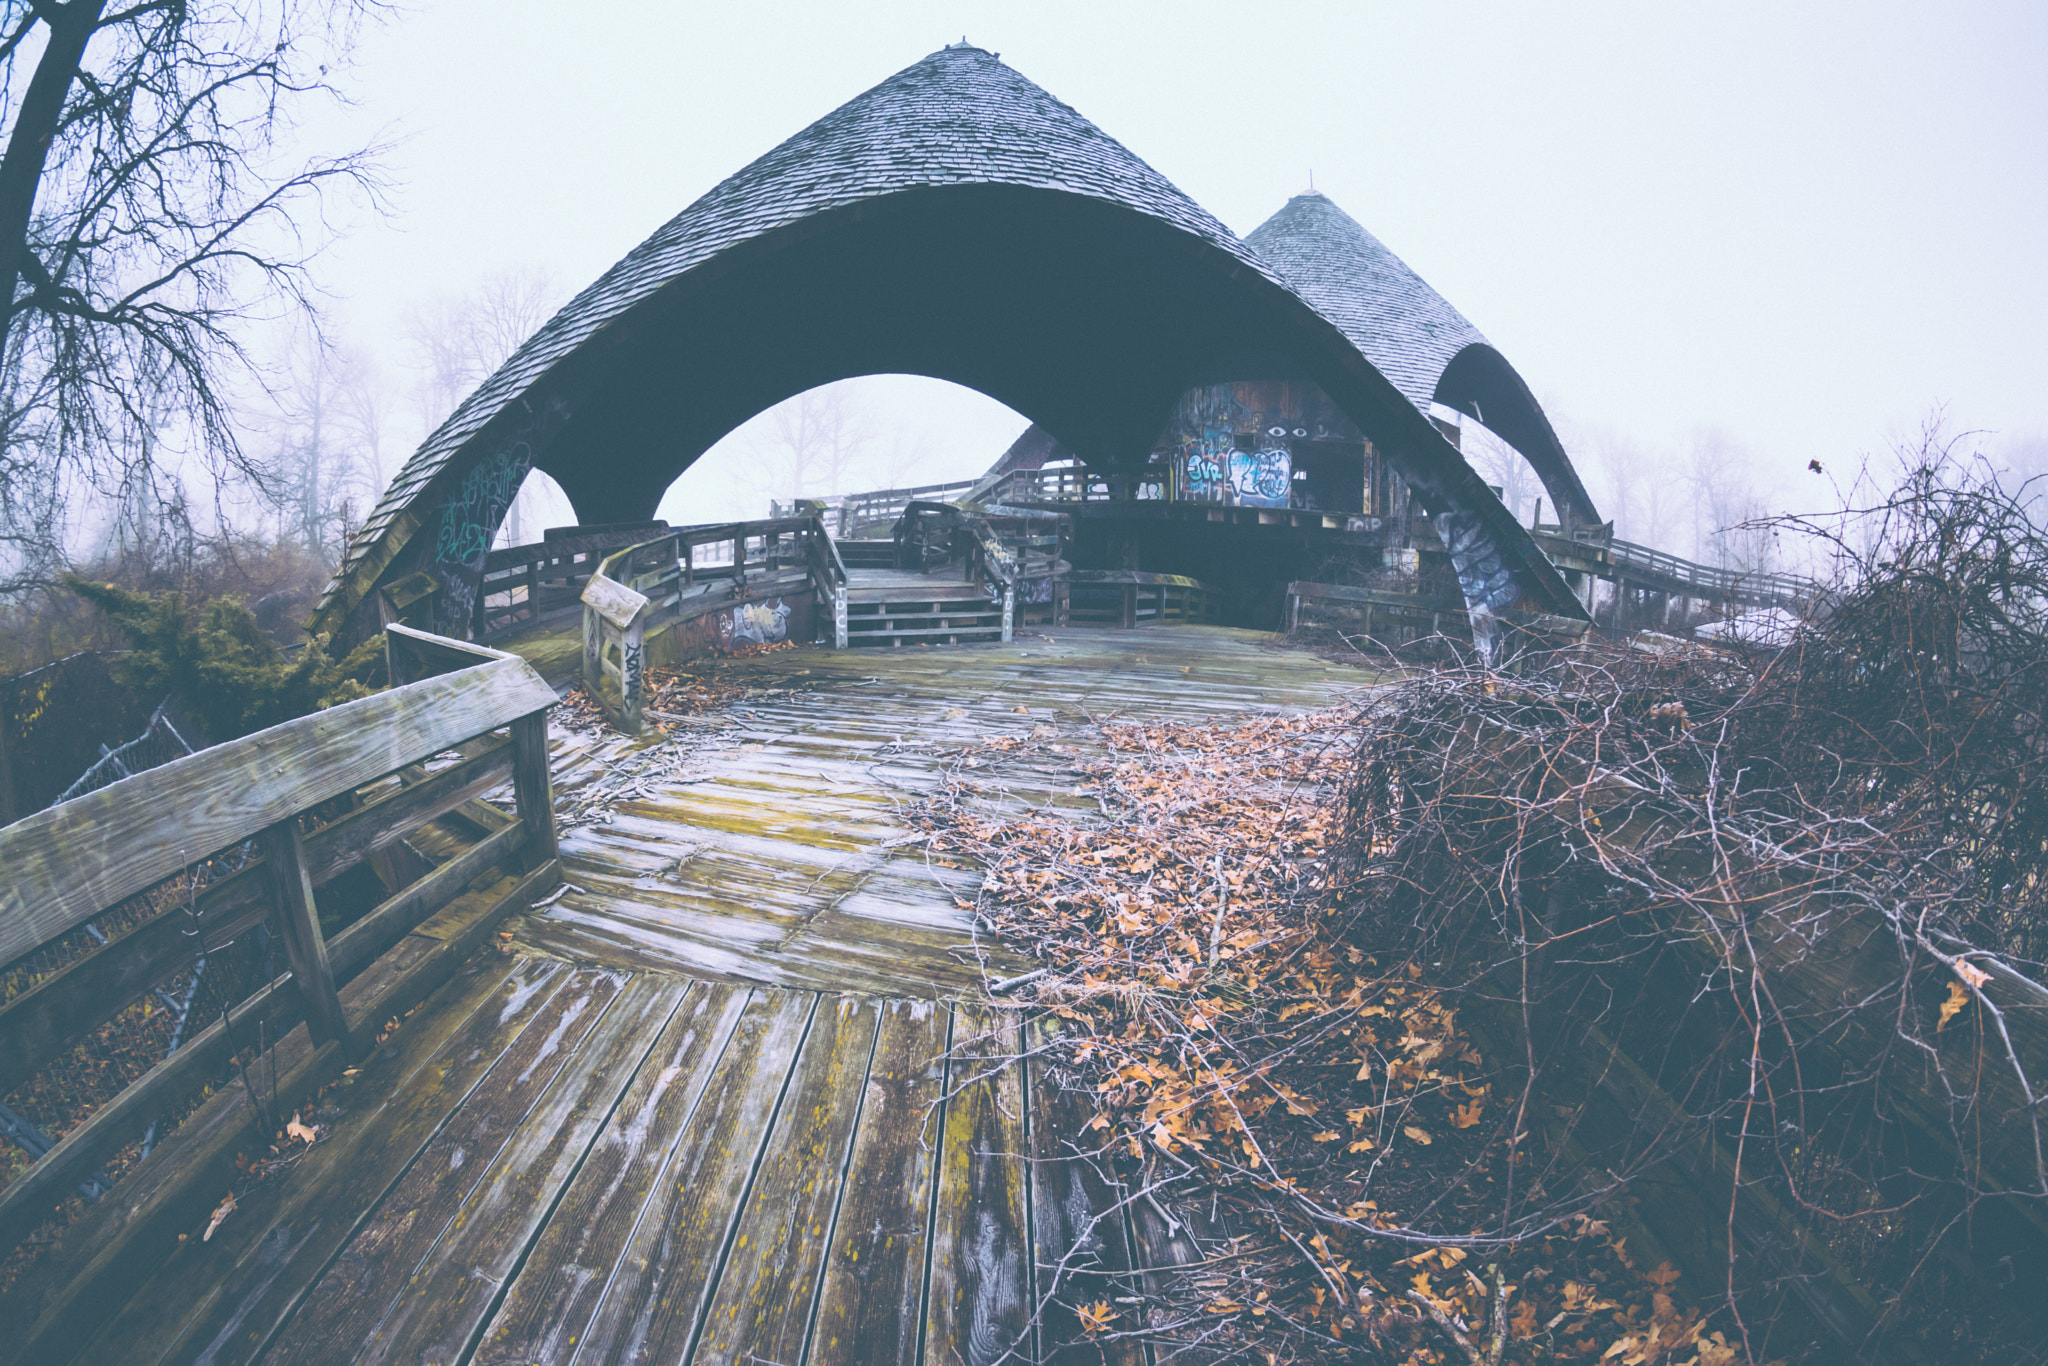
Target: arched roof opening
<point>873,432</point>
<point>1479,381</point>
<point>955,221</point>
<point>1412,334</point>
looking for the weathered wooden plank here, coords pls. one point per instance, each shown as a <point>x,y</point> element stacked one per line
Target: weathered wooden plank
<point>612,600</point>
<point>442,1311</point>
<point>284,852</point>
<point>134,1227</point>
<point>554,1297</point>
<point>394,917</point>
<point>871,1295</point>
<point>978,1301</point>
<point>72,861</point>
<point>1077,1231</point>
<point>651,1310</point>
<point>47,1021</point>
<point>762,1308</point>
<point>367,1279</point>
<point>532,787</point>
<point>222,1299</point>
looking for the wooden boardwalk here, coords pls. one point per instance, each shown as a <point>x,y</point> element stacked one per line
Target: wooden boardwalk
<point>737,1096</point>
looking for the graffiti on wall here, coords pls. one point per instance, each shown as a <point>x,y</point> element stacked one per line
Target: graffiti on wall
<point>1203,471</point>
<point>630,671</point>
<point>467,522</point>
<point>1261,478</point>
<point>469,519</point>
<point>754,623</point>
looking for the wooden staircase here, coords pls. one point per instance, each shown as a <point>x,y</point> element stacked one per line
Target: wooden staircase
<point>867,554</point>
<point>901,607</point>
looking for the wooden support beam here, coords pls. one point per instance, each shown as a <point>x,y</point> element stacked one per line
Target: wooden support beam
<point>532,787</point>
<point>284,849</point>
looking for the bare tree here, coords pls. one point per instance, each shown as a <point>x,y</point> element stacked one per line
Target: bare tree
<point>1503,467</point>
<point>813,444</point>
<point>460,339</point>
<point>322,423</point>
<point>140,224</point>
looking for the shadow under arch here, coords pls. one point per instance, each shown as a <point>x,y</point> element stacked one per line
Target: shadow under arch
<point>1480,381</point>
<point>1025,255</point>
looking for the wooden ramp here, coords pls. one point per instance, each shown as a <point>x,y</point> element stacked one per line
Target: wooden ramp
<point>737,1096</point>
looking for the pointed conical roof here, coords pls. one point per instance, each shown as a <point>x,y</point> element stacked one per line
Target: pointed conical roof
<point>958,117</point>
<point>1406,329</point>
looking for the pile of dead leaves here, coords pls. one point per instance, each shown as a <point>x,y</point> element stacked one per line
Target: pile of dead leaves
<point>1318,1121</point>
<point>672,692</point>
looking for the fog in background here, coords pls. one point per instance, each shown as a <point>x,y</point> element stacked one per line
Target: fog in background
<point>1719,244</point>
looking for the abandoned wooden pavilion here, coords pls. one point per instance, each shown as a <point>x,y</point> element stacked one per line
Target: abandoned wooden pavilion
<point>652,1050</point>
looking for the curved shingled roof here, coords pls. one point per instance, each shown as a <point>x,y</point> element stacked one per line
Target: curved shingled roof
<point>958,123</point>
<point>1410,332</point>
<point>1404,327</point>
<point>958,116</point>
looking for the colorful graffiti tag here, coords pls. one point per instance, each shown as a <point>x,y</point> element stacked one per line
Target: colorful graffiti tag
<point>1202,472</point>
<point>1261,478</point>
<point>755,623</point>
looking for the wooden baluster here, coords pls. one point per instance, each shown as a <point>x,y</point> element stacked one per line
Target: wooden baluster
<point>284,850</point>
<point>533,787</point>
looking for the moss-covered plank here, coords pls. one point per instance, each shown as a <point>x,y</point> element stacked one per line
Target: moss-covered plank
<point>761,1310</point>
<point>443,1309</point>
<point>668,1270</point>
<point>371,1273</point>
<point>871,1296</point>
<point>978,1304</point>
<point>548,1311</point>
<point>222,1298</point>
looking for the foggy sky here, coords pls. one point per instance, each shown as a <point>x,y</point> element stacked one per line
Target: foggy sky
<point>1796,229</point>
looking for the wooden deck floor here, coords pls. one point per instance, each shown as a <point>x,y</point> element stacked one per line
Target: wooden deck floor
<point>735,1099</point>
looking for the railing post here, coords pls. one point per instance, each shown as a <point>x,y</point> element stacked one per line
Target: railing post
<point>533,787</point>
<point>632,686</point>
<point>1009,612</point>
<point>593,651</point>
<point>284,850</point>
<point>1130,607</point>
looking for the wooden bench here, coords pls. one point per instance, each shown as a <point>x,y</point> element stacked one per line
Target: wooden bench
<point>72,862</point>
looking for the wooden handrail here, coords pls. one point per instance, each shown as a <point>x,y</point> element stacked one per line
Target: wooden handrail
<point>68,863</point>
<point>75,861</point>
<point>638,592</point>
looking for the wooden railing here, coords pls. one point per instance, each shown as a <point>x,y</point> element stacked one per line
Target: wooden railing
<point>1393,618</point>
<point>1132,597</point>
<point>523,584</point>
<point>1080,484</point>
<point>70,863</point>
<point>1366,610</point>
<point>639,596</point>
<point>1647,567</point>
<point>847,514</point>
<point>931,535</point>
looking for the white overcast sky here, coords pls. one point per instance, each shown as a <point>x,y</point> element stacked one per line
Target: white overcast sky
<point>1805,225</point>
